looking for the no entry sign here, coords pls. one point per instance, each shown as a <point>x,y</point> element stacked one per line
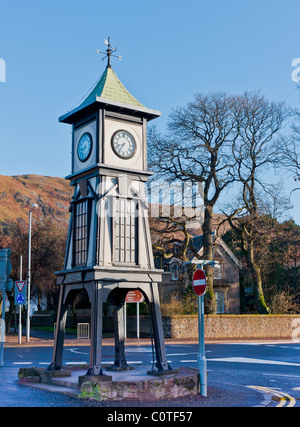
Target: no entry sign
<point>199,283</point>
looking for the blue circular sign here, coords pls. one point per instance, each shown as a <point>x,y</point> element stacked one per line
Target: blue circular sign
<point>20,299</point>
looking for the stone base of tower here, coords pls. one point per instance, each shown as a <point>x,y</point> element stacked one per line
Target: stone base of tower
<point>118,386</point>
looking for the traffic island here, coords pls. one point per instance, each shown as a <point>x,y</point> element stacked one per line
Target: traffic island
<point>182,382</point>
<point>117,386</point>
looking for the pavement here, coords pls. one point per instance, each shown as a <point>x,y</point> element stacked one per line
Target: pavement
<point>45,339</point>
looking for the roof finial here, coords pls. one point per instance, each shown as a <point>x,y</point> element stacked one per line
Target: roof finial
<point>109,52</point>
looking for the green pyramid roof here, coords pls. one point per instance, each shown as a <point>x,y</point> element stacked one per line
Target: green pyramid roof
<point>110,87</point>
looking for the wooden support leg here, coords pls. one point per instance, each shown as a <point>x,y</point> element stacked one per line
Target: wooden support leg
<point>59,334</point>
<point>96,331</point>
<point>120,360</point>
<point>159,342</point>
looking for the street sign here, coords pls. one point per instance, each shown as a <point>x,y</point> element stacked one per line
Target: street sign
<point>199,283</point>
<point>199,286</point>
<point>20,292</point>
<point>134,296</point>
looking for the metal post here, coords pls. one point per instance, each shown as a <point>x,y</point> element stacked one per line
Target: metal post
<point>2,328</point>
<point>201,355</point>
<point>138,320</point>
<point>28,281</point>
<point>125,320</point>
<point>20,306</point>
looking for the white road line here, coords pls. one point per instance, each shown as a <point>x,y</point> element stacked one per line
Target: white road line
<point>76,363</point>
<point>255,361</point>
<point>74,350</point>
<point>281,375</point>
<point>181,354</point>
<point>22,363</point>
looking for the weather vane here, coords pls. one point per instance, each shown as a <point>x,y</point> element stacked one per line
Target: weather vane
<point>109,52</point>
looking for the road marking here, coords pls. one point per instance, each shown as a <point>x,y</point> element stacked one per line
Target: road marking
<point>181,354</point>
<point>138,350</point>
<point>255,361</point>
<point>74,350</point>
<point>76,363</point>
<point>137,362</point>
<point>282,375</point>
<point>22,363</point>
<point>284,398</point>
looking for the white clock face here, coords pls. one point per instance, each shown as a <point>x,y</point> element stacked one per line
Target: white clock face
<point>84,147</point>
<point>123,144</point>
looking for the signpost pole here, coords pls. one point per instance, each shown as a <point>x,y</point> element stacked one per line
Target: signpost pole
<point>201,356</point>
<point>199,286</point>
<point>28,281</point>
<point>125,320</point>
<point>138,320</point>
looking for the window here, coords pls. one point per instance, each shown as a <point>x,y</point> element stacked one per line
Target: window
<point>220,302</point>
<point>174,270</point>
<point>125,229</point>
<point>217,272</point>
<point>81,233</point>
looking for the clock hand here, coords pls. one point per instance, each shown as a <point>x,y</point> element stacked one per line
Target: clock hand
<point>120,149</point>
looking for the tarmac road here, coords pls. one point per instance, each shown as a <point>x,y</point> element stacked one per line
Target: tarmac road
<point>239,374</point>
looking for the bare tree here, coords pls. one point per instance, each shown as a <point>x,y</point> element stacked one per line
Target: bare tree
<point>259,122</point>
<point>288,150</point>
<point>197,149</point>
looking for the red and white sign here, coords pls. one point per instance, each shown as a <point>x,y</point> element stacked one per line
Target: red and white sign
<point>199,283</point>
<point>20,285</point>
<point>134,296</point>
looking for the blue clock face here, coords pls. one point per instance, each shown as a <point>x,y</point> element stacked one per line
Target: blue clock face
<point>84,147</point>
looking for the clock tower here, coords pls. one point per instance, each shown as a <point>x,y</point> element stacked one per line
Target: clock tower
<point>109,249</point>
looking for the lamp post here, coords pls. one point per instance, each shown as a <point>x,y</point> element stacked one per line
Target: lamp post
<point>29,275</point>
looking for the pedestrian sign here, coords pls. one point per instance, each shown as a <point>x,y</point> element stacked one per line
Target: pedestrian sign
<point>20,292</point>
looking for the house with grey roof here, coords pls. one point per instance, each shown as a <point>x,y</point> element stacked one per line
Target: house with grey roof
<point>226,275</point>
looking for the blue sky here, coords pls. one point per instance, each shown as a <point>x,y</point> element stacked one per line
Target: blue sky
<point>170,49</point>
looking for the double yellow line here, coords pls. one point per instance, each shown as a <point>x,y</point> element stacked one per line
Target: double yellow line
<point>283,398</point>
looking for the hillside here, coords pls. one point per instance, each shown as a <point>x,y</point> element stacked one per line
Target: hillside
<point>53,196</point>
<point>18,193</point>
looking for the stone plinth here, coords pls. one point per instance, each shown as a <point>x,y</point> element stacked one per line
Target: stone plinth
<point>181,382</point>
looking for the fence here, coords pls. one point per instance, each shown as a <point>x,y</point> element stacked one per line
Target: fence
<point>83,330</point>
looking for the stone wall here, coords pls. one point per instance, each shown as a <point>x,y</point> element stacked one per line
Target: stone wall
<point>223,326</point>
<point>234,327</point>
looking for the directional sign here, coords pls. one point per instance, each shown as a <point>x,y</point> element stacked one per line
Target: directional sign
<point>199,283</point>
<point>134,296</point>
<point>20,292</point>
